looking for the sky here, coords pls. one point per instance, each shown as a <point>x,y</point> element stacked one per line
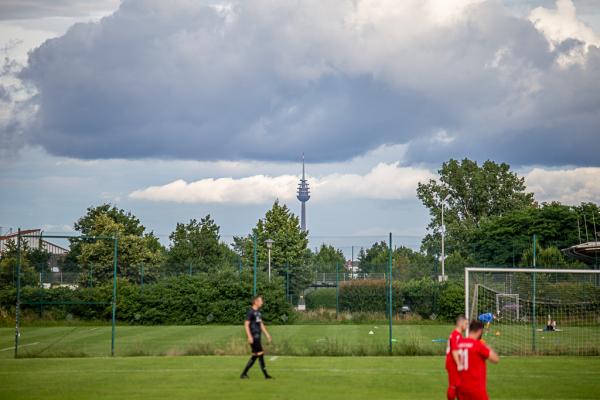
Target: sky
<point>174,110</point>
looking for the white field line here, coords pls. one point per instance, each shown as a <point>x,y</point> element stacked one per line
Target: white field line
<point>273,358</point>
<point>21,345</point>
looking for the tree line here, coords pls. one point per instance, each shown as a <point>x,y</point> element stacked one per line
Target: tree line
<point>194,247</point>
<point>489,219</point>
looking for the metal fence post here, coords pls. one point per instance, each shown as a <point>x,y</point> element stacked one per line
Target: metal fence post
<point>18,305</point>
<point>390,292</point>
<point>337,290</point>
<point>114,299</point>
<point>533,320</point>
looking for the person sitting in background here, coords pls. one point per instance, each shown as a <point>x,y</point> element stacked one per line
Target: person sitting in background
<point>550,324</point>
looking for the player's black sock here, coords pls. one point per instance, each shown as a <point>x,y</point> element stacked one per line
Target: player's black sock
<point>261,361</point>
<point>251,362</point>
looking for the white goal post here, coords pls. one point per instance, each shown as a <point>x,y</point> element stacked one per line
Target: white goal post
<point>500,308</point>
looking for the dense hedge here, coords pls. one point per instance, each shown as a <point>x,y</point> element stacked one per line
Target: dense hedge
<point>220,297</point>
<point>424,297</point>
<point>320,298</point>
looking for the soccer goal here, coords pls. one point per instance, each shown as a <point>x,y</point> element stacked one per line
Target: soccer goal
<point>536,311</point>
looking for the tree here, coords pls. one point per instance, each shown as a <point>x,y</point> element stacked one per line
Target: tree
<point>501,240</point>
<point>547,257</point>
<point>406,263</point>
<point>375,259</point>
<point>8,265</point>
<point>412,264</point>
<point>456,263</point>
<point>134,251</point>
<point>326,259</point>
<point>289,251</point>
<point>472,193</point>
<point>197,245</point>
<point>129,225</point>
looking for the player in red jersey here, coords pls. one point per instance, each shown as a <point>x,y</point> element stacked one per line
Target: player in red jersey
<point>452,359</point>
<point>473,354</point>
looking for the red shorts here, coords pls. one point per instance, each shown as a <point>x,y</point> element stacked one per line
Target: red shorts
<point>472,395</point>
<point>452,376</point>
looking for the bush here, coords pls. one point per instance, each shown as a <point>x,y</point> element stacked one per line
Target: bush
<point>367,296</point>
<point>220,298</point>
<point>424,297</point>
<point>452,301</point>
<point>320,298</point>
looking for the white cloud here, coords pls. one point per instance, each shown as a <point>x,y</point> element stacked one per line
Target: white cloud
<point>383,182</point>
<point>250,190</point>
<point>562,24</point>
<point>569,186</point>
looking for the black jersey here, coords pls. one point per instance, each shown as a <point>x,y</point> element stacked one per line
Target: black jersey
<point>255,319</point>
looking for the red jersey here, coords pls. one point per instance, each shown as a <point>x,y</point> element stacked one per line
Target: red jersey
<point>472,367</point>
<point>453,341</point>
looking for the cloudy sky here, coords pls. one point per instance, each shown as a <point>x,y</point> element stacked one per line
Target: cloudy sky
<point>178,109</point>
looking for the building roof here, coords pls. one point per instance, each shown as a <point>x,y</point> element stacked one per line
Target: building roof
<point>586,252</point>
<point>32,235</point>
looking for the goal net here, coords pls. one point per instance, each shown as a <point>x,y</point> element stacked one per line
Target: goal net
<point>536,311</point>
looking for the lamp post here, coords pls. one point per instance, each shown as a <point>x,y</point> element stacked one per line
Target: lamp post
<point>269,243</point>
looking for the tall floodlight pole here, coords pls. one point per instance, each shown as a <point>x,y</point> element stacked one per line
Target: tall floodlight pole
<point>254,265</point>
<point>269,243</point>
<point>18,305</point>
<point>303,196</point>
<point>443,277</point>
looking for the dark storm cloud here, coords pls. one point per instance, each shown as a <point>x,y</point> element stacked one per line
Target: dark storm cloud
<point>267,80</point>
<point>26,9</point>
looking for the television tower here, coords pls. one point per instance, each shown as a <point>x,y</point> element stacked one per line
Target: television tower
<point>303,196</point>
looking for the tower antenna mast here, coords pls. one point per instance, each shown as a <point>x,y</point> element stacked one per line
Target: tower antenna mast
<point>303,196</point>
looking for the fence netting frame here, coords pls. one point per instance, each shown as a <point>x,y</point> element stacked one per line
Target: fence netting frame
<point>113,301</point>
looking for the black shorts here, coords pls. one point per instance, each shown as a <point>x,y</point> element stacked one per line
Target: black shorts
<point>256,345</point>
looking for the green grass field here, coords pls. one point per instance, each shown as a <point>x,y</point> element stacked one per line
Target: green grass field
<point>301,340</point>
<point>206,377</point>
<point>296,340</point>
<point>213,377</point>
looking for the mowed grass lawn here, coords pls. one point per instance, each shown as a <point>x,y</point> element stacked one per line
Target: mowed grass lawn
<point>216,377</point>
<point>222,340</point>
<point>297,340</point>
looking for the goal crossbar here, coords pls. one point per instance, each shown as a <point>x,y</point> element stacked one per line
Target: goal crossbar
<point>542,270</point>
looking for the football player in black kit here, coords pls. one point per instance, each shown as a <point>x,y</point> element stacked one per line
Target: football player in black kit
<point>254,328</point>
